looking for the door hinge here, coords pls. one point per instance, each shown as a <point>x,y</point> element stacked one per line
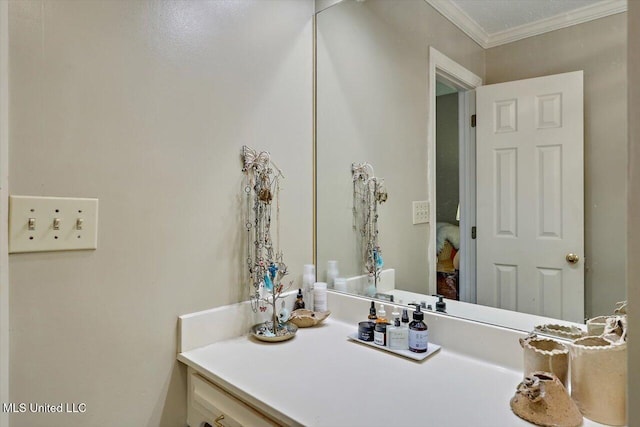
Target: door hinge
<point>473,121</point>
<point>473,232</point>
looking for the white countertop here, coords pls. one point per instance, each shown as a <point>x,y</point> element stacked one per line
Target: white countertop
<point>320,378</point>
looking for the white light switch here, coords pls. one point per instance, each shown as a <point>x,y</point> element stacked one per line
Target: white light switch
<point>41,224</point>
<point>420,212</point>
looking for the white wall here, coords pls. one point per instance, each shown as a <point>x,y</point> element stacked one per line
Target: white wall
<point>599,48</point>
<point>145,105</point>
<point>633,220</point>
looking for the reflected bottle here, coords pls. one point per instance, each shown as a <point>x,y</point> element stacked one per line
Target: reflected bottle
<point>332,273</point>
<point>308,279</point>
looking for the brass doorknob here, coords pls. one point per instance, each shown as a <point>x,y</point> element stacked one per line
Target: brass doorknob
<point>572,258</point>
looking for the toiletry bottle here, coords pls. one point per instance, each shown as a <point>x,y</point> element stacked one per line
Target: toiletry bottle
<point>441,306</point>
<point>332,273</point>
<point>308,279</point>
<point>299,303</point>
<point>372,312</point>
<point>395,313</point>
<point>380,334</point>
<point>382,315</point>
<point>405,318</point>
<point>366,330</point>
<point>397,335</point>
<point>319,296</point>
<point>340,284</point>
<point>418,333</point>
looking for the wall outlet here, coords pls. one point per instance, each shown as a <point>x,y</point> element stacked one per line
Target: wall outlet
<point>420,212</point>
<point>41,224</point>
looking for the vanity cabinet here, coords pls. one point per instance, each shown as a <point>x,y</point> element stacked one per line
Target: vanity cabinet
<point>209,405</point>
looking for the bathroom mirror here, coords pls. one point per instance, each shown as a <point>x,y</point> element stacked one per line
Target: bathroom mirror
<point>373,105</point>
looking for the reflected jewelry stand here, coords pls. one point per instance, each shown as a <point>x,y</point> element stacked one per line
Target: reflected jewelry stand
<point>368,193</point>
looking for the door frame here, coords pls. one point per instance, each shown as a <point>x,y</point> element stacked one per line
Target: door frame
<point>445,69</point>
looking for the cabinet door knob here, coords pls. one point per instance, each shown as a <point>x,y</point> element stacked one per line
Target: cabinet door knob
<point>217,421</point>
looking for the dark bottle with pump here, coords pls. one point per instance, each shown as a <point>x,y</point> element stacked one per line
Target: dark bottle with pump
<point>441,306</point>
<point>299,303</point>
<point>418,333</point>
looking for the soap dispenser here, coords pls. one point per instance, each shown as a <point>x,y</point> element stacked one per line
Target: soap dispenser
<point>441,306</point>
<point>418,333</point>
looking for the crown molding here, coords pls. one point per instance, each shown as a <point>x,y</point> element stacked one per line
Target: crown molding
<point>564,20</point>
<point>459,18</point>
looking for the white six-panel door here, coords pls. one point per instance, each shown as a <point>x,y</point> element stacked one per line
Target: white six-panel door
<point>530,196</point>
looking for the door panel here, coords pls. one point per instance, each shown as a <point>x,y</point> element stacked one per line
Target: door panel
<point>530,195</point>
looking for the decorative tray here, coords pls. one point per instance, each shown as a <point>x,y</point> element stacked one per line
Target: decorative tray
<point>431,348</point>
<point>289,332</point>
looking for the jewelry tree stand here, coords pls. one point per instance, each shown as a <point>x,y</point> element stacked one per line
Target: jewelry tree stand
<point>264,260</point>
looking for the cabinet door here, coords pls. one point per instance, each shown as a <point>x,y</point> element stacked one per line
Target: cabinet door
<point>209,404</point>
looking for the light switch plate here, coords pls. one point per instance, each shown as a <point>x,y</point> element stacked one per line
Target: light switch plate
<point>41,224</point>
<point>420,212</point>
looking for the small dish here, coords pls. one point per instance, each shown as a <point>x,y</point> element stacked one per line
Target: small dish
<point>285,334</point>
<point>304,318</point>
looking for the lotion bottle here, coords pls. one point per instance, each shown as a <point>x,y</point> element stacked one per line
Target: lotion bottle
<point>397,336</point>
<point>320,296</point>
<point>398,333</point>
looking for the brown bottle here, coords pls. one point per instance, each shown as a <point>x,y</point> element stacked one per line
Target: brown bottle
<point>299,303</point>
<point>372,312</point>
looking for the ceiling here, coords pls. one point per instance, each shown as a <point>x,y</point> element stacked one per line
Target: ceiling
<point>494,22</point>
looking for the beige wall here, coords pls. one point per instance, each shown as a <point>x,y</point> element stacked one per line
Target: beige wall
<point>4,211</point>
<point>115,101</point>
<point>597,47</point>
<point>145,105</point>
<point>372,106</point>
<point>633,267</point>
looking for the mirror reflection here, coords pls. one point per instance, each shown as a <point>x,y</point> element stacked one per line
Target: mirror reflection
<point>524,212</point>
